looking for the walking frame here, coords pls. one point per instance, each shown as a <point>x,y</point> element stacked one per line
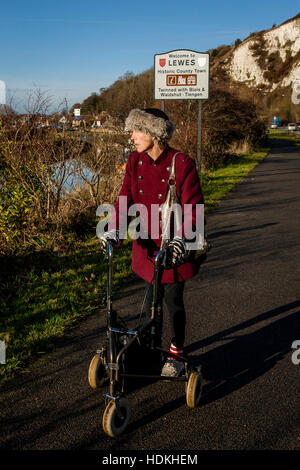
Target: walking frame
<point>112,362</point>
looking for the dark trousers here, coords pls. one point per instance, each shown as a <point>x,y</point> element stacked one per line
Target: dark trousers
<point>173,296</point>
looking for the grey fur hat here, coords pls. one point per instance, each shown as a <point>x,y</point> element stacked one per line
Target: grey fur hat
<point>152,122</point>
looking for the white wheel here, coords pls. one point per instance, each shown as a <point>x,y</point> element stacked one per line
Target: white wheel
<point>112,423</point>
<point>97,373</point>
<point>194,389</point>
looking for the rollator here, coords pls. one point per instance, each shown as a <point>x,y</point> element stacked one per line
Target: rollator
<point>116,363</point>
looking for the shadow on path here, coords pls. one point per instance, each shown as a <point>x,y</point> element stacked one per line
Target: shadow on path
<point>244,357</point>
<point>231,366</point>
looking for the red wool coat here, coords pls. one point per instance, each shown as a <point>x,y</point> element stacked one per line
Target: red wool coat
<point>146,182</point>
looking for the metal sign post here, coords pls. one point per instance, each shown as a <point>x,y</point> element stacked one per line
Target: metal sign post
<point>182,75</point>
<point>199,136</point>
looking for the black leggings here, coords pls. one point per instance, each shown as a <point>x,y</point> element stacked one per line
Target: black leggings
<point>173,296</point>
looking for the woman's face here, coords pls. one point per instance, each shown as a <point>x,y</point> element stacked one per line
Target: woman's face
<point>142,142</point>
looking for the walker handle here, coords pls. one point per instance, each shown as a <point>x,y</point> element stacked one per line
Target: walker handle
<point>109,256</point>
<point>158,257</point>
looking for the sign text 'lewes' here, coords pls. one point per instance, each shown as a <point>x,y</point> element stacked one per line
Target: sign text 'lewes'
<point>181,74</point>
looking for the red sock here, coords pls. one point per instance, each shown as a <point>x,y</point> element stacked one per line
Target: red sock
<point>174,350</point>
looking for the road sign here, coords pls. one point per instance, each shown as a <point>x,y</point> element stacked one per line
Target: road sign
<point>181,75</point>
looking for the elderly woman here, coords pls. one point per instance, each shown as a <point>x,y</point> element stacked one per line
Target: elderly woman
<point>146,182</point>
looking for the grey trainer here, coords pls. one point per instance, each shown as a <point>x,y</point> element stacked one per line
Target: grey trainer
<point>172,368</point>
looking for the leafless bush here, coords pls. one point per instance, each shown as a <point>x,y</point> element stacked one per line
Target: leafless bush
<point>57,177</point>
<point>227,119</point>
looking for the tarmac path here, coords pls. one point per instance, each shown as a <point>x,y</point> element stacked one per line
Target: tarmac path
<point>243,316</point>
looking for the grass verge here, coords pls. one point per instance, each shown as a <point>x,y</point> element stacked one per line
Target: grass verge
<point>44,294</point>
<point>216,184</point>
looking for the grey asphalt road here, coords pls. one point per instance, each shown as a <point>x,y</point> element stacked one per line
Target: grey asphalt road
<point>243,316</point>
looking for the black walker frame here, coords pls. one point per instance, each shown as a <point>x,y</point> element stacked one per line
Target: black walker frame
<point>109,361</point>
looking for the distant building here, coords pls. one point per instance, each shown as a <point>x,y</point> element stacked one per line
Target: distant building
<point>97,122</point>
<point>77,121</point>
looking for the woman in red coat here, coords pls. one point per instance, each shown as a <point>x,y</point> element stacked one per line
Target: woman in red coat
<point>146,183</point>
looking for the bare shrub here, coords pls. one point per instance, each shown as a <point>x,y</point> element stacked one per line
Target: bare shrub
<point>227,119</point>
<point>100,166</point>
<point>239,147</point>
<point>49,179</point>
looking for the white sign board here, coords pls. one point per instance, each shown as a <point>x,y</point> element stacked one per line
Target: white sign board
<point>181,75</point>
<point>77,112</point>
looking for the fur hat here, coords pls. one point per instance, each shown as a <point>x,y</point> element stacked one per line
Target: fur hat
<point>150,121</point>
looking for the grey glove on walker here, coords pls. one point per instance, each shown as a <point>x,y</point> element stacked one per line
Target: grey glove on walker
<point>111,236</point>
<point>175,252</point>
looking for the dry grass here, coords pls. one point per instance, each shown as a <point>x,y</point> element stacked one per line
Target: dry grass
<point>240,147</point>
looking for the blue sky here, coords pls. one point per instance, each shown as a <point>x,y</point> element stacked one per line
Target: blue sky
<point>69,49</point>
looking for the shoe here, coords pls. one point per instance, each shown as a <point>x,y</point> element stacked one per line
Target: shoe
<point>172,368</point>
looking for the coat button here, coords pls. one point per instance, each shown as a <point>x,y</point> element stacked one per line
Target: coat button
<point>159,196</point>
<point>168,168</point>
<point>163,180</point>
<point>141,191</point>
<point>140,177</point>
<point>140,162</point>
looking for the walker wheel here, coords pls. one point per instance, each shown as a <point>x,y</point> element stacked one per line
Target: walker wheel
<point>97,373</point>
<point>112,423</point>
<point>194,389</point>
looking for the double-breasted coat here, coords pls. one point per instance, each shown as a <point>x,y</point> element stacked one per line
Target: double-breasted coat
<point>146,182</point>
